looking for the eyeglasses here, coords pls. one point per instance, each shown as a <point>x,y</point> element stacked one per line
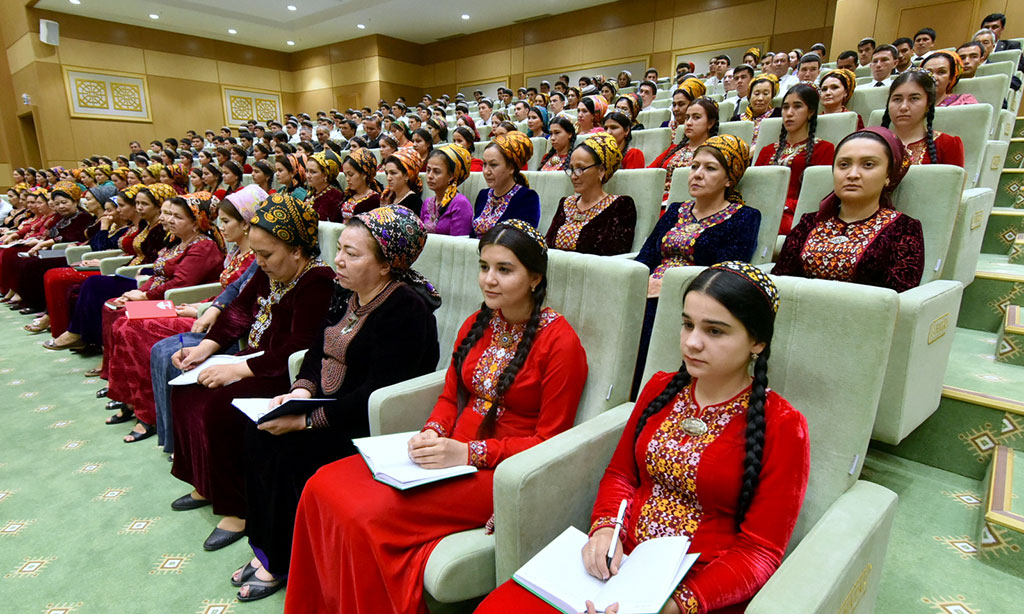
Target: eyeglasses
<point>576,172</point>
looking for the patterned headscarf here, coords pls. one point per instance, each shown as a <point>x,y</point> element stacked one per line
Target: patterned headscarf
<point>365,162</point>
<point>160,192</point>
<point>88,170</point>
<point>290,220</point>
<point>247,200</point>
<point>409,161</point>
<point>737,159</point>
<point>401,237</point>
<point>298,164</point>
<point>102,192</point>
<point>69,189</point>
<point>178,174</point>
<point>154,170</point>
<point>606,148</point>
<point>600,108</point>
<point>754,51</point>
<point>516,147</point>
<point>103,168</point>
<point>545,121</point>
<point>460,159</point>
<point>204,207</point>
<point>956,67</point>
<point>132,191</point>
<point>768,78</point>
<point>755,276</point>
<point>471,125</point>
<point>846,77</point>
<point>635,104</point>
<point>329,162</point>
<point>694,88</point>
<point>121,172</point>
<point>526,229</point>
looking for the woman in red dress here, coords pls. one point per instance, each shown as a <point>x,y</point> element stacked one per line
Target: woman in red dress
<point>909,113</point>
<point>278,313</point>
<point>132,340</point>
<point>620,126</point>
<point>515,380</point>
<point>708,453</point>
<point>31,232</point>
<point>797,148</point>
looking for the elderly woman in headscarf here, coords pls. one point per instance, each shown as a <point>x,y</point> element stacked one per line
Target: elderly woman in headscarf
<point>325,195</point>
<point>277,314</point>
<point>836,87</point>
<point>591,221</point>
<point>590,114</point>
<point>946,69</point>
<point>402,174</point>
<point>713,225</point>
<point>362,190</point>
<point>508,194</point>
<point>379,331</point>
<point>448,212</point>
<point>872,243</point>
<point>763,89</point>
<point>131,341</point>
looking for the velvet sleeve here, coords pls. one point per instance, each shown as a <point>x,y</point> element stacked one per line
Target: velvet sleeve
<point>789,262</point>
<point>564,371</point>
<point>823,154</point>
<point>650,253</point>
<point>446,410</point>
<point>622,477</point>
<point>905,247</point>
<point>200,262</point>
<point>303,324</point>
<point>765,157</point>
<point>525,206</point>
<point>372,202</point>
<point>740,571</point>
<point>75,231</point>
<point>556,223</point>
<point>950,150</point>
<point>615,233</point>
<point>737,237</point>
<point>659,162</point>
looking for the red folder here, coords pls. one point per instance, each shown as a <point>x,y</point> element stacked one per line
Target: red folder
<point>140,310</point>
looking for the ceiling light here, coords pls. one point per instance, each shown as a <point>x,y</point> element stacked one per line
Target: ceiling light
<point>361,26</point>
<point>154,16</point>
<point>465,16</point>
<point>232,31</point>
<point>290,43</point>
<point>292,7</point>
<point>75,1</point>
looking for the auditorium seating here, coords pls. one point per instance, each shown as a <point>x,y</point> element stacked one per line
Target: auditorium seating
<point>652,142</point>
<point>646,186</point>
<point>832,128</point>
<point>843,529</point>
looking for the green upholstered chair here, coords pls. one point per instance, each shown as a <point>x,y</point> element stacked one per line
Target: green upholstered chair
<point>603,298</point>
<point>540,147</point>
<point>922,338</point>
<point>862,71</point>
<point>108,266</point>
<point>327,236</point>
<point>741,129</point>
<point>839,543</point>
<point>726,109</point>
<point>996,68</point>
<point>193,294</point>
<point>550,187</point>
<point>653,118</point>
<point>78,253</point>
<point>991,90</point>
<point>662,103</point>
<point>651,141</point>
<point>867,99</point>
<point>1009,55</point>
<point>646,186</point>
<point>764,188</point>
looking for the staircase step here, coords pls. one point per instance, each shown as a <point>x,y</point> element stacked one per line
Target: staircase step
<point>1015,154</point>
<point>1004,224</point>
<point>1004,505</point>
<point>996,285</point>
<point>1017,250</point>
<point>1010,192</point>
<point>1018,127</point>
<point>1011,337</point>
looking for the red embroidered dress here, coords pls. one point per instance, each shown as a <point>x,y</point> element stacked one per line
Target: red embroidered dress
<point>680,158</point>
<point>554,163</point>
<point>795,158</point>
<point>366,554</point>
<point>682,484</point>
<point>677,244</point>
<point>948,148</point>
<point>359,204</point>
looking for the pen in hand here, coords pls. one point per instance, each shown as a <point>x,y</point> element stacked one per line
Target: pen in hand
<point>615,534</point>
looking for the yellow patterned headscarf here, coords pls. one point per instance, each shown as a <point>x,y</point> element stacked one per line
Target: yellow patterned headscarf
<point>160,192</point>
<point>460,159</point>
<point>328,161</point>
<point>410,162</point>
<point>754,51</point>
<point>846,77</point>
<point>106,169</point>
<point>768,78</point>
<point>694,88</point>
<point>154,170</point>
<point>288,219</point>
<point>132,191</point>
<point>736,155</point>
<point>517,149</point>
<point>69,189</point>
<point>606,148</point>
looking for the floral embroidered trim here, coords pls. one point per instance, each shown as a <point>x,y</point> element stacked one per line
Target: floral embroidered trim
<point>436,427</point>
<point>687,603</point>
<point>348,207</point>
<point>678,243</point>
<point>569,232</point>
<point>278,290</point>
<point>493,210</point>
<point>478,453</point>
<point>602,522</point>
<point>235,262</point>
<point>917,150</point>
<point>790,152</point>
<point>834,248</point>
<point>489,526</point>
<point>682,157</point>
<point>338,337</point>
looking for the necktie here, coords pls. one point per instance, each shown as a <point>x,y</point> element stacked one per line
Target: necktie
<point>879,84</point>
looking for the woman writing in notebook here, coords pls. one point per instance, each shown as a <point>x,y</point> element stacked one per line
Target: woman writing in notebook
<point>516,377</point>
<point>709,453</point>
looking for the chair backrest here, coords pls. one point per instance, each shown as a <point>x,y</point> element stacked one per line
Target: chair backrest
<point>740,129</point>
<point>929,193</point>
<point>1008,55</point>
<point>590,291</point>
<point>970,123</point>
<point>768,133</point>
<point>862,71</point>
<point>997,68</point>
<point>662,103</point>
<point>327,235</point>
<point>540,147</point>
<point>764,188</point>
<point>867,99</point>
<point>726,109</point>
<point>652,141</point>
<point>646,186</point>
<point>989,90</point>
<point>832,128</point>
<point>813,315</point>
<point>550,187</point>
<point>654,117</point>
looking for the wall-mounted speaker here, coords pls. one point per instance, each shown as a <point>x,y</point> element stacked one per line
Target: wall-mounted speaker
<point>49,32</point>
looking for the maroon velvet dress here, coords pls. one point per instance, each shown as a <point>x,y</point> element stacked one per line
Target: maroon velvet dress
<point>605,229</point>
<point>678,484</point>
<point>36,228</point>
<point>886,249</point>
<point>31,271</point>
<point>795,157</point>
<point>275,318</point>
<point>327,204</point>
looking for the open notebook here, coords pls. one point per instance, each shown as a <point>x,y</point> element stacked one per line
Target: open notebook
<point>192,376</point>
<point>646,578</point>
<point>387,456</point>
<point>258,412</point>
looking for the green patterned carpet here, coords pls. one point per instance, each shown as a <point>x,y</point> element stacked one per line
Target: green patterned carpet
<point>85,520</point>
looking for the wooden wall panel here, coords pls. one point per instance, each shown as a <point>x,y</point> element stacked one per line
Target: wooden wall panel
<point>28,49</point>
<point>249,76</point>
<point>89,54</point>
<point>951,21</point>
<point>161,64</point>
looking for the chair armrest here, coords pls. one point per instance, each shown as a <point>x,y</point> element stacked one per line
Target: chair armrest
<point>837,566</point>
<point>109,265</point>
<point>526,516</point>
<point>294,364</point>
<point>131,271</point>
<point>968,233</point>
<point>100,255</point>
<point>630,255</point>
<point>193,294</point>
<point>405,406</point>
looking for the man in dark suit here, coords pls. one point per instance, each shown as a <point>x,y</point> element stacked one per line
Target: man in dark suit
<point>996,22</point>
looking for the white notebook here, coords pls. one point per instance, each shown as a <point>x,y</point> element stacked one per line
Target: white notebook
<point>257,409</point>
<point>387,456</point>
<point>192,377</point>
<point>646,579</point>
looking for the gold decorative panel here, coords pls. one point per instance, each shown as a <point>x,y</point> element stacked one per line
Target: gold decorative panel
<point>107,95</point>
<point>242,105</point>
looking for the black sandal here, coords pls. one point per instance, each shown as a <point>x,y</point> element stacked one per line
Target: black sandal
<point>258,589</point>
<point>118,418</point>
<point>133,436</point>
<point>244,573</point>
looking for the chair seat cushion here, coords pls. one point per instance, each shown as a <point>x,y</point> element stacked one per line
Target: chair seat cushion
<point>461,567</point>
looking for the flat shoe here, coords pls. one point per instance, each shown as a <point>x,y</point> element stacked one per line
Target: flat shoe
<point>186,502</point>
<point>220,538</point>
<point>36,327</point>
<point>102,392</point>
<point>148,431</point>
<point>112,405</point>
<point>27,310</point>
<point>258,589</point>
<point>51,344</point>
<point>121,417</point>
<point>96,372</point>
<point>244,573</point>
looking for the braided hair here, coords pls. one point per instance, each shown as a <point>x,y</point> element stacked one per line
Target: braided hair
<point>626,122</point>
<point>711,111</point>
<point>747,304</point>
<point>808,94</point>
<point>535,259</point>
<point>926,83</point>
<point>565,124</point>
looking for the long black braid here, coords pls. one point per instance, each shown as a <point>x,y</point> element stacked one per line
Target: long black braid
<point>755,434</point>
<point>711,110</point>
<point>809,95</point>
<point>927,83</point>
<point>929,136</point>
